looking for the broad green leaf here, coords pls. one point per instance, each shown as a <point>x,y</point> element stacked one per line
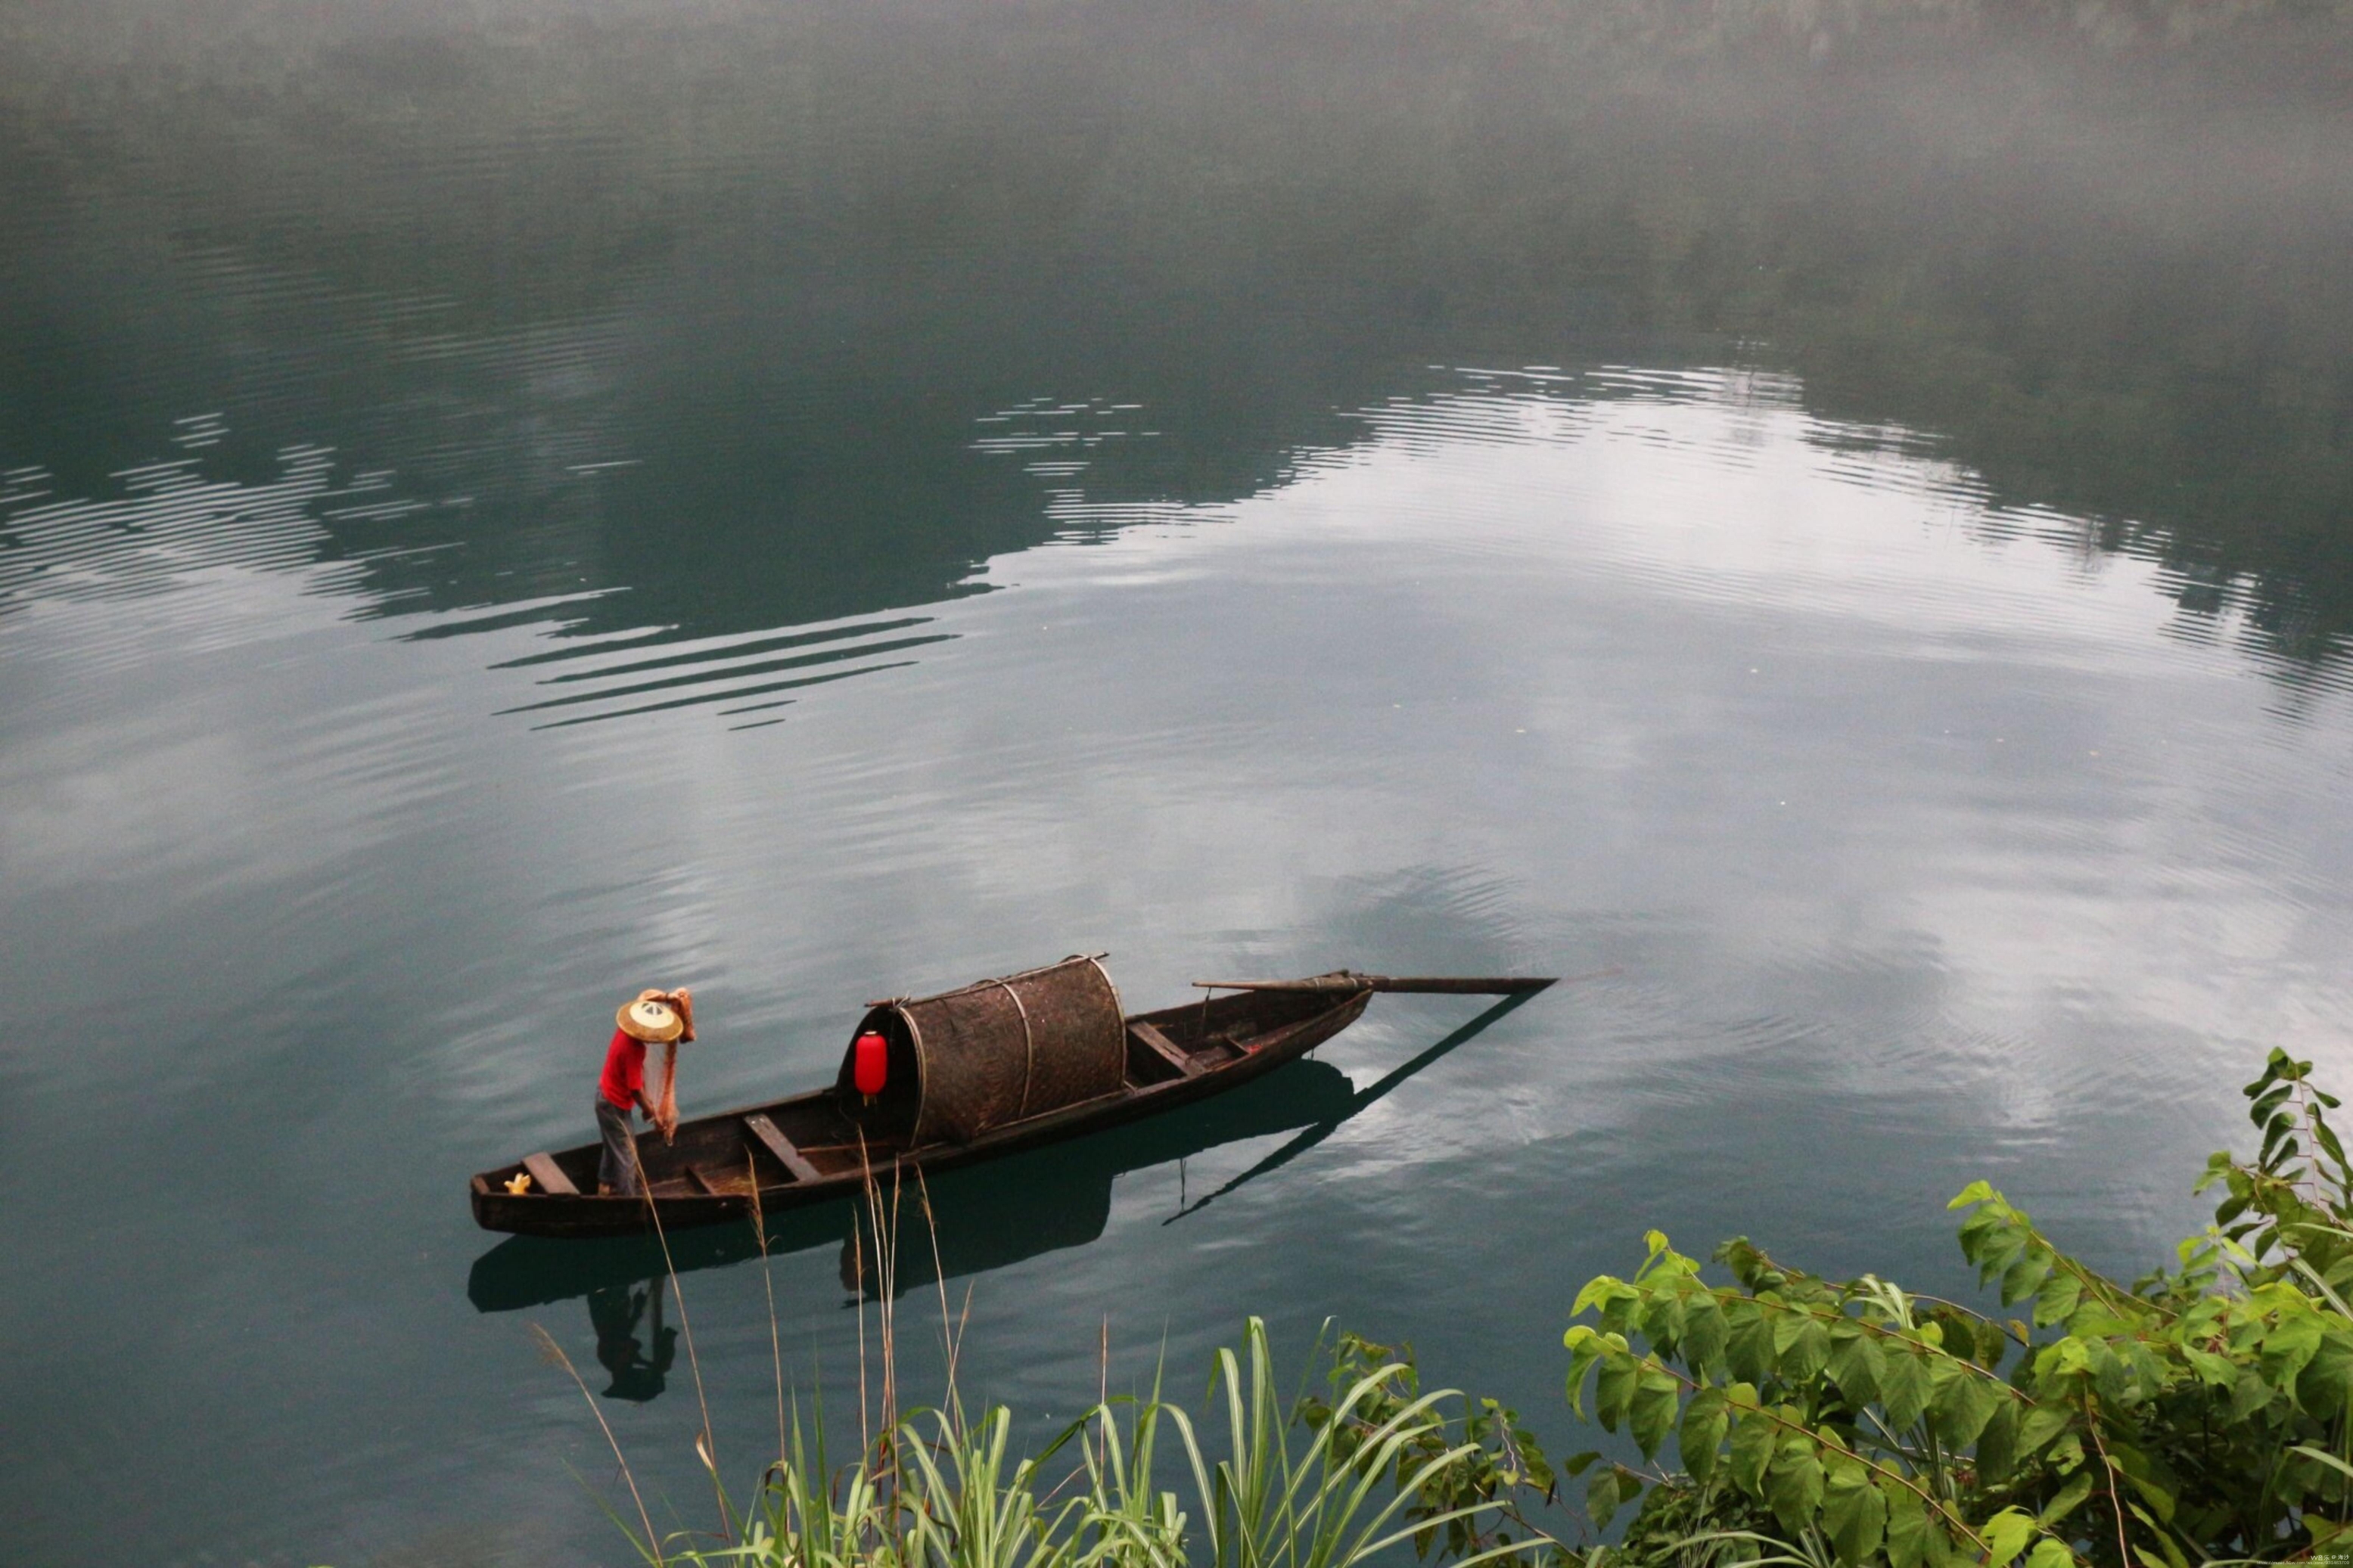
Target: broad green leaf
<point>2249,1394</point>
<point>2025,1277</point>
<point>1793,1487</point>
<point>1808,1353</point>
<point>1944,1551</point>
<point>2158,1498</point>
<point>2055,1301</point>
<point>1598,1289</point>
<point>1585,1348</point>
<point>1904,1384</point>
<point>1613,1389</point>
<point>2000,1246</point>
<point>1651,1414</point>
<point>1704,1419</point>
<point>2006,1535</point>
<point>2323,1385</point>
<point>2039,1425</point>
<point>2111,1373</point>
<point>1855,1363</point>
<point>2069,1498</point>
<point>1974,1192</point>
<point>2050,1552</point>
<point>1663,1320</point>
<point>1602,1496</point>
<point>2149,1373</point>
<point>1853,1513</point>
<point>1907,1524</point>
<point>1959,1404</point>
<point>1748,1346</point>
<point>1752,1452</point>
<point>1704,1333</point>
<point>1998,1442</point>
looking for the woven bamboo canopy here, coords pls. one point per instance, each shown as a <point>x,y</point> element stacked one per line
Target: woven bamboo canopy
<point>998,1050</point>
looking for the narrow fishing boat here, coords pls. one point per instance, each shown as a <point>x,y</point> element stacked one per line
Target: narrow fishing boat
<point>930,1083</point>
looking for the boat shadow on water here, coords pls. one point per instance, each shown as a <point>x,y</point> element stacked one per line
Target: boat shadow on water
<point>985,1217</point>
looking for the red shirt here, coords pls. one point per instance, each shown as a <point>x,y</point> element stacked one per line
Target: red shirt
<point>625,1070</point>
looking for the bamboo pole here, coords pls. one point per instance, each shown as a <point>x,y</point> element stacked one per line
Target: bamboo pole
<point>1346,981</point>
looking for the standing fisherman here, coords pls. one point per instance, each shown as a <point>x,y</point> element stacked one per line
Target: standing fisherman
<point>655,1017</point>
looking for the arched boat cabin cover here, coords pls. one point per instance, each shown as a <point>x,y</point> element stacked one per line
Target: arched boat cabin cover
<point>975,1058</point>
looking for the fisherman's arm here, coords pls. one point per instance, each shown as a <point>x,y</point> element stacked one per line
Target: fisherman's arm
<point>654,1115</point>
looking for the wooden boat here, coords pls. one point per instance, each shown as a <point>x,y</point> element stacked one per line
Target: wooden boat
<point>984,1216</point>
<point>1002,1065</point>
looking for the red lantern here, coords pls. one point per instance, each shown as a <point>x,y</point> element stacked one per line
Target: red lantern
<point>871,1067</point>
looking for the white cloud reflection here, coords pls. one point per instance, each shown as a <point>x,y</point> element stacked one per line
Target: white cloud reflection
<point>1871,796</point>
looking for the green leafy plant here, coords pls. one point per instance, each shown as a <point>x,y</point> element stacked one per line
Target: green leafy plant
<point>1468,1494</point>
<point>1356,1479</point>
<point>2197,1415</point>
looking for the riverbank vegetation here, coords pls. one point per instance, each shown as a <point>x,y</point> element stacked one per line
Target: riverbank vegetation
<point>2197,1417</point>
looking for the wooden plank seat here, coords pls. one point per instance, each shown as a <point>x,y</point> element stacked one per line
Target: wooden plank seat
<point>548,1177</point>
<point>722,1184</point>
<point>1165,1049</point>
<point>776,1143</point>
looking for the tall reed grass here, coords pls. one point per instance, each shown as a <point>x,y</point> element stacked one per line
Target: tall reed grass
<point>1379,1471</point>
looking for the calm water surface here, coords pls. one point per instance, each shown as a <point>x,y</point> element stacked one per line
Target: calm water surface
<point>1848,532</point>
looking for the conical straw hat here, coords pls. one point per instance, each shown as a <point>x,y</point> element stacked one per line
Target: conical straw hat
<point>650,1019</point>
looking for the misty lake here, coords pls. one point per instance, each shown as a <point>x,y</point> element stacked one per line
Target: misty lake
<point>1837,522</point>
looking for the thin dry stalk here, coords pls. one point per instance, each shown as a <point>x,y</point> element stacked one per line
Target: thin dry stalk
<point>707,1447</point>
<point>858,1291</point>
<point>940,1276</point>
<point>768,1280</point>
<point>963,1322</point>
<point>883,1456</point>
<point>553,1352</point>
<point>886,1282</point>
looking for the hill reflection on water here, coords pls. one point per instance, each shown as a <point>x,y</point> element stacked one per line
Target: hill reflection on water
<point>688,333</point>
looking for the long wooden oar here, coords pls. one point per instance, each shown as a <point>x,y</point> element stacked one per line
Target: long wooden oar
<point>1347,981</point>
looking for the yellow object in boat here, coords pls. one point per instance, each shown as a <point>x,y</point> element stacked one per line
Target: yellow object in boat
<point>520,1184</point>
